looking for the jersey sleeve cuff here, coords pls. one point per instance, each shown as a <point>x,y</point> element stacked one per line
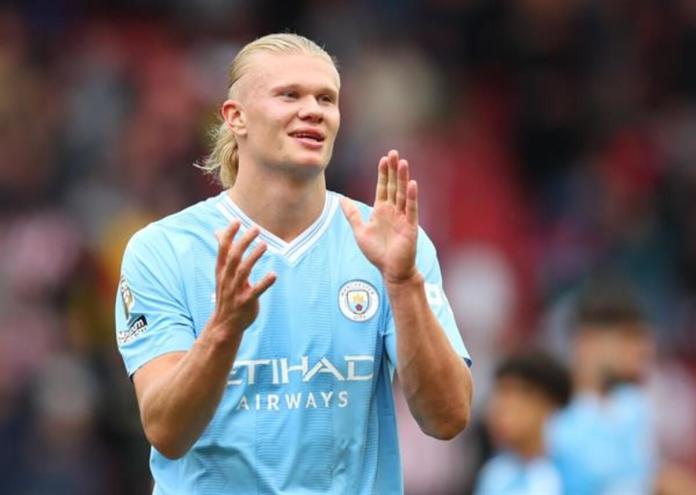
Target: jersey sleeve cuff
<point>174,339</point>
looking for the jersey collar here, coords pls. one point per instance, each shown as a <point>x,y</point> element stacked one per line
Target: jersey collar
<point>292,251</point>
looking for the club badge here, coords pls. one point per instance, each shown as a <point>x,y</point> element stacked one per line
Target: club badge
<point>358,300</point>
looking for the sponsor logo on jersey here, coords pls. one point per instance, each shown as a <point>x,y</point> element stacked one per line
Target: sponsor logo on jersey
<point>126,297</point>
<point>251,373</point>
<point>297,400</point>
<point>358,300</point>
<point>137,328</point>
<point>356,368</point>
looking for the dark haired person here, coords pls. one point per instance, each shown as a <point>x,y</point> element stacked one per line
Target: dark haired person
<point>603,442</point>
<point>529,388</point>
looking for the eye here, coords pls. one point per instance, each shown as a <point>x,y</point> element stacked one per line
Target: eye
<point>326,98</point>
<point>289,94</point>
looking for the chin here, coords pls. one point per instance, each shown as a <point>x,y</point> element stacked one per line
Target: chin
<point>312,161</point>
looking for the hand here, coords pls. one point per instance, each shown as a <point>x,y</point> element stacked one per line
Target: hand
<point>389,238</point>
<point>236,300</point>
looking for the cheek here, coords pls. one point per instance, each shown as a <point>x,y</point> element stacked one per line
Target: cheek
<point>516,417</point>
<point>335,119</point>
<point>637,356</point>
<point>503,417</point>
<point>266,119</point>
<point>331,120</point>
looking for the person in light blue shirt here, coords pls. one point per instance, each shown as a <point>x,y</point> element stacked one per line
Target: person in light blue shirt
<point>262,326</point>
<point>508,474</point>
<point>529,389</point>
<point>604,442</point>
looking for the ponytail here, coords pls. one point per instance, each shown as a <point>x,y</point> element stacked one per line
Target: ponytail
<point>223,161</point>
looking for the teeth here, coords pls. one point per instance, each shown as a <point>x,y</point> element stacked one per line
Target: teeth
<point>309,136</point>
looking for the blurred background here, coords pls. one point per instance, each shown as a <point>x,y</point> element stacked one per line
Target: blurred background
<point>553,140</point>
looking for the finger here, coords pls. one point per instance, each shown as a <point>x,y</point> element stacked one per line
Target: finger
<point>391,178</point>
<point>234,256</point>
<point>382,174</point>
<point>248,263</point>
<point>412,202</point>
<point>263,285</point>
<point>352,213</point>
<point>224,240</point>
<point>401,185</point>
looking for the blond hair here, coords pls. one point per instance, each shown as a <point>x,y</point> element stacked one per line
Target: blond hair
<point>223,161</point>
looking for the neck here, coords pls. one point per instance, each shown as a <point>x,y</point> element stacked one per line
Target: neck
<point>586,367</point>
<point>589,376</point>
<point>531,447</point>
<point>285,206</point>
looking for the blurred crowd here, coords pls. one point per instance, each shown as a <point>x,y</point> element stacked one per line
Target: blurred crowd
<point>554,141</point>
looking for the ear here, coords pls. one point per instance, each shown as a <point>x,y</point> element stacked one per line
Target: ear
<point>234,115</point>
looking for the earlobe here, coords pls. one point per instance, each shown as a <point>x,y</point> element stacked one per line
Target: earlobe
<point>233,114</point>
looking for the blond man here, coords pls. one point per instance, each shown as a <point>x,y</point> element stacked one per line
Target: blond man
<point>261,327</point>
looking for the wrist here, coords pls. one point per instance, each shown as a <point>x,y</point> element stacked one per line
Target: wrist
<point>408,280</point>
<point>221,334</point>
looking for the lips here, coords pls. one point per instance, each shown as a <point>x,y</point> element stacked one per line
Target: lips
<point>308,134</point>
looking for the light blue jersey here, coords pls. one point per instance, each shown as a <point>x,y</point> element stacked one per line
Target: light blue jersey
<point>606,446</point>
<point>508,474</point>
<point>308,406</point>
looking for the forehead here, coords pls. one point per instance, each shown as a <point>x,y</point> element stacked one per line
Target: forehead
<point>618,331</point>
<point>267,70</point>
<point>509,385</point>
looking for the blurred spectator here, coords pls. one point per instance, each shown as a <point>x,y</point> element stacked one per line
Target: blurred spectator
<point>529,388</point>
<point>64,402</point>
<point>604,442</point>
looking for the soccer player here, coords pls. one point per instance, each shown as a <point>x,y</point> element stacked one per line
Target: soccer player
<point>261,327</point>
<point>529,388</point>
<point>604,442</point>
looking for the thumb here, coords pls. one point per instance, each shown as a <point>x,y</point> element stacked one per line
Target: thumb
<point>352,213</point>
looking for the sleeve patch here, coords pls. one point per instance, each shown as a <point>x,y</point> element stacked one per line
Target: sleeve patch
<point>126,297</point>
<point>137,328</point>
<point>433,293</point>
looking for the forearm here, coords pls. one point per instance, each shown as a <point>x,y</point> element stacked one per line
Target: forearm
<point>177,407</point>
<point>435,380</point>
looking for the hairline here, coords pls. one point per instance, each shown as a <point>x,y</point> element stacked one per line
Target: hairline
<point>234,88</point>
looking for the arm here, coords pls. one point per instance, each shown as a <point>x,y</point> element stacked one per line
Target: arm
<point>435,380</point>
<point>179,392</point>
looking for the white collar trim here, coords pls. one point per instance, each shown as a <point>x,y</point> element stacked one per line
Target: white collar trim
<point>292,251</point>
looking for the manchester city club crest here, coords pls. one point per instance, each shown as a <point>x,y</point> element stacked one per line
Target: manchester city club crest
<point>358,300</point>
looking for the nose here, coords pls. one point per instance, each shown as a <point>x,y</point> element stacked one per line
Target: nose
<point>310,110</point>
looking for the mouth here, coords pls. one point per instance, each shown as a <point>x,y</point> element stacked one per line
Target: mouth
<point>308,137</point>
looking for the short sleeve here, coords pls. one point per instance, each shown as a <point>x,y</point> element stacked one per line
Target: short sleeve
<point>426,261</point>
<point>151,314</point>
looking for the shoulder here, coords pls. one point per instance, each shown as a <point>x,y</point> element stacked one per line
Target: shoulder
<point>500,464</point>
<point>630,395</point>
<point>632,407</point>
<point>545,475</point>
<point>566,425</point>
<point>173,233</point>
<point>496,474</point>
